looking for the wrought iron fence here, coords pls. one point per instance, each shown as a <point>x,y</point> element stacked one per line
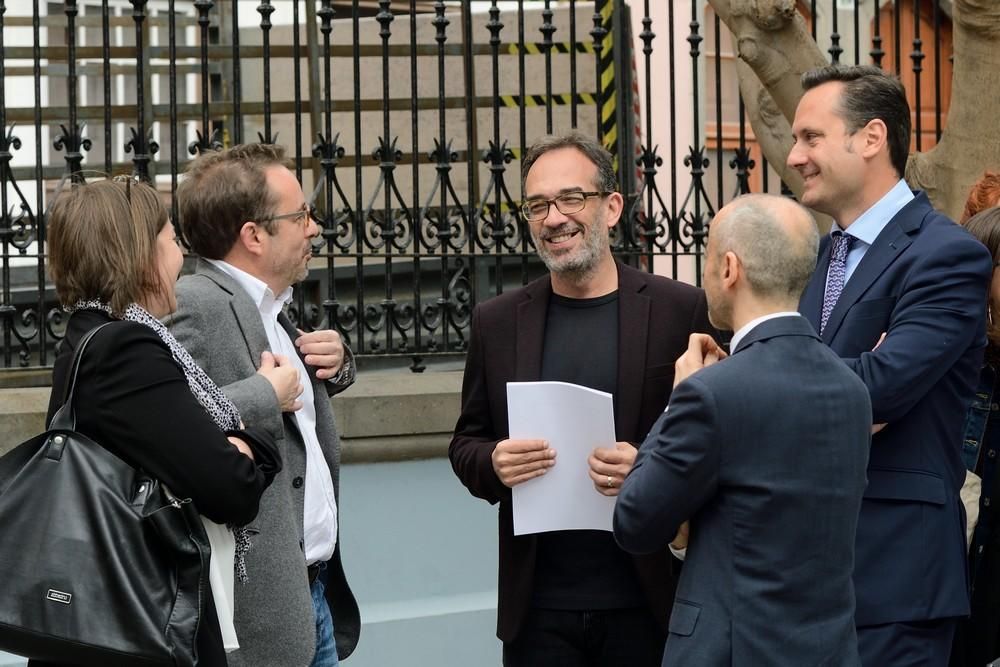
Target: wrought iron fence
<point>406,120</point>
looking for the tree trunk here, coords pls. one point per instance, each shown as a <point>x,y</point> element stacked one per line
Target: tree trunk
<point>775,47</point>
<point>970,143</point>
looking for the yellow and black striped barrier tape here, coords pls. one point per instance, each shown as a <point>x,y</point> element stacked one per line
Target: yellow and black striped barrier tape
<point>559,99</point>
<point>538,48</point>
<point>606,66</point>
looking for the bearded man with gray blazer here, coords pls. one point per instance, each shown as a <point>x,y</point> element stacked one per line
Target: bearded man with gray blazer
<point>244,213</point>
<point>765,452</point>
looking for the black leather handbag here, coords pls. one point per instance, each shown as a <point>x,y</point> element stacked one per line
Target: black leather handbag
<point>99,564</point>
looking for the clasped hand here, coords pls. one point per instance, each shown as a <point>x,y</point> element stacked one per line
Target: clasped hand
<point>517,461</point>
<point>284,379</point>
<point>702,351</point>
<point>322,349</point>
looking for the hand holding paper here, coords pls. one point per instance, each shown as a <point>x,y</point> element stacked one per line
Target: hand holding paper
<point>572,420</point>
<point>608,467</point>
<point>516,461</point>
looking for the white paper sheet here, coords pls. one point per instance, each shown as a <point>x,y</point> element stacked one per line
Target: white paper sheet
<point>574,420</point>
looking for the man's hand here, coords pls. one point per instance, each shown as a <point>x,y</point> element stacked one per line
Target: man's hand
<point>284,378</point>
<point>680,540</point>
<point>702,351</point>
<point>516,461</point>
<point>878,427</point>
<point>322,349</point>
<point>241,445</point>
<point>608,467</point>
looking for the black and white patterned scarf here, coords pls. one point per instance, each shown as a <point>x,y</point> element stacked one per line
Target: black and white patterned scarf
<point>216,403</point>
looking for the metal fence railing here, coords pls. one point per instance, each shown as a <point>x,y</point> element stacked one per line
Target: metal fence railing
<point>406,120</point>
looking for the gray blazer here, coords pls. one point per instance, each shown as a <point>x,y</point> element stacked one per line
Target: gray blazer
<point>218,323</point>
<point>765,452</point>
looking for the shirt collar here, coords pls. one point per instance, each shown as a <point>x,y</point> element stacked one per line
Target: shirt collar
<point>871,223</point>
<point>748,327</point>
<point>257,289</point>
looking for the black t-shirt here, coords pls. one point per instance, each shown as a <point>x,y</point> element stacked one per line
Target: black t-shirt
<point>583,569</point>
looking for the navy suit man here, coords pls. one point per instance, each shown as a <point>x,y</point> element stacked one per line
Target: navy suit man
<point>894,266</point>
<point>765,453</point>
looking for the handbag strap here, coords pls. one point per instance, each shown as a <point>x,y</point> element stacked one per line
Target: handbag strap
<point>65,419</point>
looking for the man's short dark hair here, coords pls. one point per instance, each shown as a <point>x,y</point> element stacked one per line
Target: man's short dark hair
<point>870,93</point>
<point>607,180</point>
<point>223,190</point>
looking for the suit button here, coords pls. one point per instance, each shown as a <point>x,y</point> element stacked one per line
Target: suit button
<point>297,482</point>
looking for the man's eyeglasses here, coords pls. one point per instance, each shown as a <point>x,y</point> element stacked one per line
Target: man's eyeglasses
<point>536,210</point>
<point>305,213</point>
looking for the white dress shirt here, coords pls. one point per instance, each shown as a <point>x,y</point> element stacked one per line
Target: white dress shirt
<point>319,515</point>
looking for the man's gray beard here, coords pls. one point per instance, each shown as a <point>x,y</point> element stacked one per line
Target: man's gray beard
<point>580,268</point>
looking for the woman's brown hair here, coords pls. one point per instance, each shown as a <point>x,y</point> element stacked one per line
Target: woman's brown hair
<point>985,226</point>
<point>102,243</point>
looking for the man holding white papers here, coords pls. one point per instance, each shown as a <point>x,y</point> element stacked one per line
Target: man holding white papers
<point>573,597</point>
<point>765,452</point>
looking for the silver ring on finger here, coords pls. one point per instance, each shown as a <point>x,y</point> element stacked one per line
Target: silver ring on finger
<point>611,482</point>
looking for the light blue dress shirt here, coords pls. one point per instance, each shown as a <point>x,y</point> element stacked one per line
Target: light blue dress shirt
<point>871,223</point>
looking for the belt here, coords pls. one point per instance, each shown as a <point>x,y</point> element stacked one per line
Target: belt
<point>313,572</point>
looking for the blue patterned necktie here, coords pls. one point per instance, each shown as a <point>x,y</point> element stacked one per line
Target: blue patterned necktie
<point>835,274</point>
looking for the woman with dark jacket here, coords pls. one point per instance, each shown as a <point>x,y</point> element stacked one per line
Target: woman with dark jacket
<point>977,641</point>
<point>114,258</point>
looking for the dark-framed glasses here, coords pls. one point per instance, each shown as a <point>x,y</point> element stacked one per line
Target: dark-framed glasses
<point>305,213</point>
<point>537,209</point>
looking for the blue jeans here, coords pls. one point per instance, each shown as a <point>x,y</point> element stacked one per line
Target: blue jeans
<point>326,647</point>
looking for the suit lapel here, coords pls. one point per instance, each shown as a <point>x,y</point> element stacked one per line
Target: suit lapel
<point>529,330</point>
<point>293,333</point>
<point>633,321</point>
<point>321,403</point>
<point>289,329</point>
<point>251,327</point>
<point>811,303</point>
<point>633,331</point>
<point>245,312</point>
<point>892,241</point>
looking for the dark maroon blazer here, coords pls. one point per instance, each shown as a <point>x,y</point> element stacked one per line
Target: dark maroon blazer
<point>656,315</point>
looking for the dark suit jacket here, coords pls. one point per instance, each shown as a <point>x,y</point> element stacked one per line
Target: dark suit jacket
<point>765,453</point>
<point>924,283</point>
<point>655,317</point>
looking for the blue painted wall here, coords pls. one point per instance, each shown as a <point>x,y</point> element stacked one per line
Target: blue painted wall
<point>421,556</point>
